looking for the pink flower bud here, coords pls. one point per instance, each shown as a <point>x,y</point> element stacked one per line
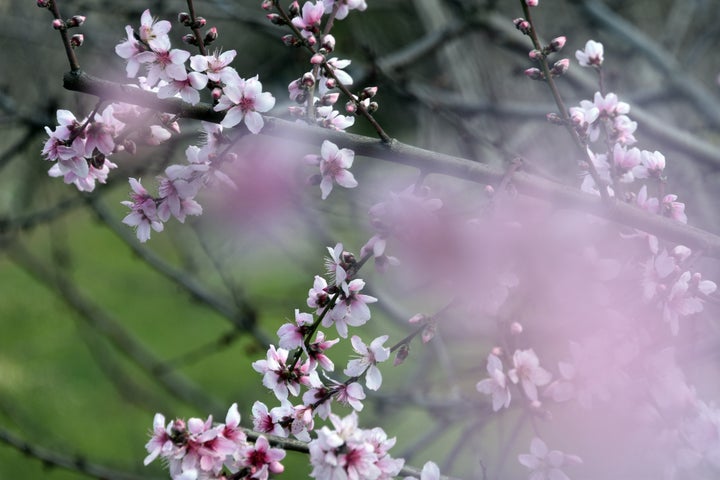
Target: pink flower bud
<point>308,79</point>
<point>317,59</point>
<point>216,93</point>
<point>368,92</point>
<point>58,24</point>
<point>199,22</point>
<point>535,55</point>
<point>311,41</point>
<point>328,43</point>
<point>534,74</point>
<point>428,332</point>
<point>532,3</point>
<point>497,351</point>
<point>77,40</point>
<point>351,107</point>
<point>522,25</point>
<point>267,5</point>
<point>516,328</point>
<point>417,319</point>
<point>330,83</point>
<point>75,21</point>
<point>560,67</point>
<point>294,9</point>
<point>275,19</point>
<point>402,354</point>
<point>184,18</point>
<point>330,98</point>
<point>189,39</point>
<point>554,118</point>
<point>557,44</point>
<point>211,35</point>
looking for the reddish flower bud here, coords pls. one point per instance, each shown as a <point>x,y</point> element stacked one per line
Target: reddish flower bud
<point>534,74</point>
<point>330,83</point>
<point>75,21</point>
<point>536,55</point>
<point>199,22</point>
<point>308,79</point>
<point>216,93</point>
<point>560,67</point>
<point>351,107</point>
<point>329,98</point>
<point>275,19</point>
<point>189,39</point>
<point>77,40</point>
<point>522,25</point>
<point>58,24</point>
<point>267,5</point>
<point>532,3</point>
<point>328,43</point>
<point>368,92</point>
<point>402,354</point>
<point>294,9</point>
<point>184,18</point>
<point>317,59</point>
<point>210,36</point>
<point>557,44</point>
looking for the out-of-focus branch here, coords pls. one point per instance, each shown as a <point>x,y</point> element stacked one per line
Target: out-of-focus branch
<point>173,381</point>
<point>73,463</point>
<point>425,160</point>
<point>703,100</point>
<point>243,317</point>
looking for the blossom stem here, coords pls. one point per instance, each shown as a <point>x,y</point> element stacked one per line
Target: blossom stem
<point>564,114</point>
<point>69,51</point>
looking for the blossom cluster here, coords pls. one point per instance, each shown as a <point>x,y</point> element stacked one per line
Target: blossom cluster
<point>197,449</point>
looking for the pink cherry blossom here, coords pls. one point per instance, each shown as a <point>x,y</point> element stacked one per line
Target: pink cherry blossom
<point>592,55</point>
<point>144,212</point>
<point>344,7</point>
<point>292,335</point>
<point>528,372</point>
<point>309,19</point>
<point>351,309</point>
<point>430,471</point>
<point>243,100</point>
<point>216,66</point>
<point>261,460</point>
<point>153,32</point>
<point>496,385</point>
<point>129,50</point>
<point>334,163</point>
<point>369,358</point>
<point>546,464</point>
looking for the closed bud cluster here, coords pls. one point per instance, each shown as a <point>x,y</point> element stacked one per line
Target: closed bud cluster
<point>77,40</point>
<point>522,25</point>
<point>210,36</point>
<point>560,67</point>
